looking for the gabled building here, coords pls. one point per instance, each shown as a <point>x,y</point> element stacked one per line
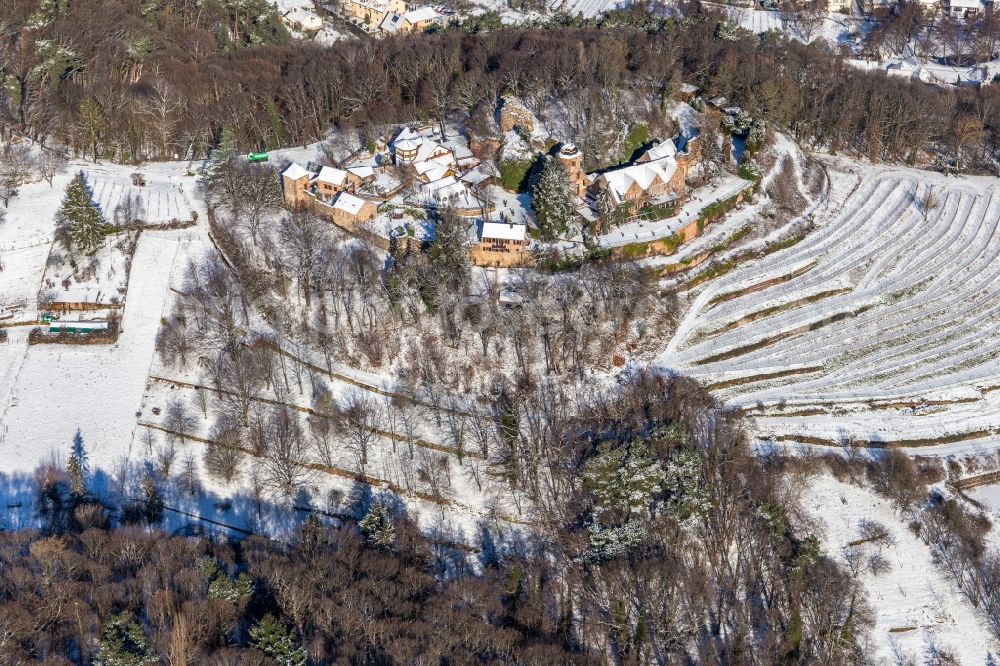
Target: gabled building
<point>295,183</point>
<point>330,192</point>
<point>415,20</point>
<point>413,147</point>
<point>349,211</point>
<point>303,20</point>
<point>659,177</point>
<point>635,185</point>
<point>965,8</point>
<point>329,182</point>
<point>501,244</point>
<point>443,192</point>
<point>372,12</point>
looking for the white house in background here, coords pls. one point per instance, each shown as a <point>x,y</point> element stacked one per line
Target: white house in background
<point>964,8</point>
<point>372,12</point>
<point>302,20</point>
<point>415,20</point>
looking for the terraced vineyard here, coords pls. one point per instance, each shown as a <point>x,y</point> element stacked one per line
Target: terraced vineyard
<point>888,311</point>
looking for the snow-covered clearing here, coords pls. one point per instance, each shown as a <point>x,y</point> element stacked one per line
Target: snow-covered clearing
<point>913,602</point>
<point>96,388</point>
<point>166,196</point>
<point>879,325</point>
<point>25,238</point>
<point>588,8</point>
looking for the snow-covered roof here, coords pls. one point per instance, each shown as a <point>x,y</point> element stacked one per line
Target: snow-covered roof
<point>362,171</point>
<point>476,176</point>
<point>80,294</point>
<point>662,149</point>
<point>378,5</point>
<point>331,175</point>
<point>569,151</point>
<point>305,18</point>
<point>642,174</point>
<point>348,203</point>
<point>503,230</point>
<point>965,4</point>
<point>443,188</point>
<point>415,16</point>
<point>431,170</point>
<point>408,134</point>
<point>434,150</point>
<point>92,325</point>
<point>407,145</point>
<point>294,171</point>
<point>391,22</point>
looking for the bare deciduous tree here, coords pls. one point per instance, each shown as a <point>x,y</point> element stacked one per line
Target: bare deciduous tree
<point>284,467</point>
<point>224,453</point>
<point>360,420</point>
<point>16,166</point>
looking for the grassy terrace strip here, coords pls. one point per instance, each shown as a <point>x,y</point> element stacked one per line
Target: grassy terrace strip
<point>985,479</point>
<point>668,245</point>
<point>893,443</point>
<point>812,326</point>
<point>760,286</point>
<point>729,383</point>
<point>776,309</point>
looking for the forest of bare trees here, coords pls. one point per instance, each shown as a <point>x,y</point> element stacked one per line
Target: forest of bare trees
<point>661,538</point>
<point>70,80</point>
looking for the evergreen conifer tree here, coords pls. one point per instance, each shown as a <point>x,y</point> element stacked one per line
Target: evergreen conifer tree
<point>219,168</point>
<point>552,200</point>
<point>377,526</point>
<point>81,217</point>
<point>153,496</point>
<point>123,644</point>
<point>606,209</point>
<point>77,467</point>
<point>273,639</point>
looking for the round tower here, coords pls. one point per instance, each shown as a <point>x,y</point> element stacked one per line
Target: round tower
<point>572,160</point>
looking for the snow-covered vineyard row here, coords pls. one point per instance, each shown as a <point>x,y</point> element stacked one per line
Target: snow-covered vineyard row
<point>888,311</point>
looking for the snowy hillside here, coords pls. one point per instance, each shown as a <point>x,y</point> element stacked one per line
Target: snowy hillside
<point>879,325</point>
<point>915,606</point>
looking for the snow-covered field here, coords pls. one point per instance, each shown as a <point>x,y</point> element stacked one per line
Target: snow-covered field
<point>95,388</point>
<point>588,8</point>
<point>25,238</point>
<point>914,604</point>
<point>166,196</point>
<point>881,324</point>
